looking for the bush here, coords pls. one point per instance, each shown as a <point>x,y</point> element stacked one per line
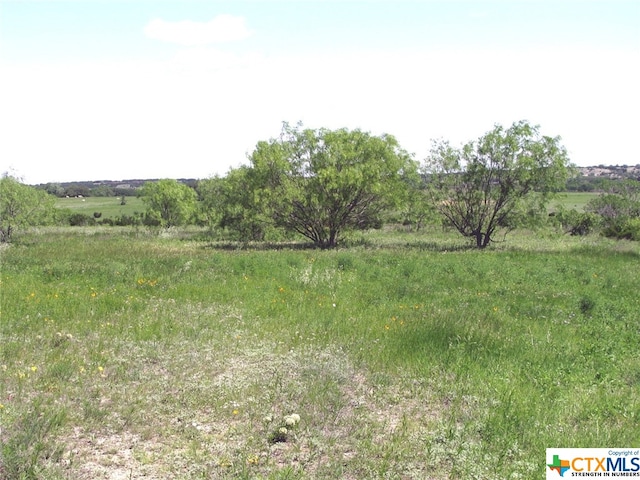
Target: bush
<point>632,230</point>
<point>81,220</point>
<point>619,210</point>
<point>627,228</point>
<point>576,223</point>
<point>136,219</point>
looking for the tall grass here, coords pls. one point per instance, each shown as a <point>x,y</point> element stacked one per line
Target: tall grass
<point>405,356</point>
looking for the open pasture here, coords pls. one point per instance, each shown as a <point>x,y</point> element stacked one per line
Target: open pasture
<point>573,200</point>
<point>109,207</point>
<point>128,354</point>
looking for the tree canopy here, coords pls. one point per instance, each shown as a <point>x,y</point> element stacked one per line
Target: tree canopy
<point>232,202</point>
<point>619,209</point>
<point>321,183</point>
<point>491,183</point>
<point>170,202</point>
<point>21,206</point>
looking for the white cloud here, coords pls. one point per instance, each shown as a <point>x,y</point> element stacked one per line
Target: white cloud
<point>222,28</point>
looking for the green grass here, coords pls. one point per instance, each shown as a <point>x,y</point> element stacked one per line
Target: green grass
<point>109,206</point>
<point>125,354</point>
<point>574,200</point>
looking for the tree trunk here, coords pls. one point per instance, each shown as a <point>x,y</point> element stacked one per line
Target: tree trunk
<point>330,242</point>
<point>482,240</point>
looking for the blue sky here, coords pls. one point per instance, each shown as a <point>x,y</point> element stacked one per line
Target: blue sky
<point>122,89</point>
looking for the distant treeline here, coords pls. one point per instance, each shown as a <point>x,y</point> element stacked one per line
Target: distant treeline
<point>590,179</point>
<point>587,184</point>
<point>102,188</point>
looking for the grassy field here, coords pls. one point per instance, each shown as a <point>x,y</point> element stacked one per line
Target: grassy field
<point>109,206</point>
<point>128,354</point>
<point>574,200</point>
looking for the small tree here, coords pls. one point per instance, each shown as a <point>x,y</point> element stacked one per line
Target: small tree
<point>22,206</point>
<point>170,202</point>
<point>418,209</point>
<point>574,222</point>
<point>619,209</point>
<point>233,202</point>
<point>321,183</point>
<point>489,184</point>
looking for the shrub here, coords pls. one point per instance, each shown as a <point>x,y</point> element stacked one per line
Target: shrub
<point>627,228</point>
<point>81,220</point>
<point>576,223</point>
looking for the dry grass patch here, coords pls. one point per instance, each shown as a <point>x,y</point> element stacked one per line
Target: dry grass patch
<point>211,411</point>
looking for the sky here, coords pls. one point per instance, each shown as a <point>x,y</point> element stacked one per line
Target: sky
<point>139,89</point>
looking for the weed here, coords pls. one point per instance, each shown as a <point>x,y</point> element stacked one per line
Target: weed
<point>587,305</point>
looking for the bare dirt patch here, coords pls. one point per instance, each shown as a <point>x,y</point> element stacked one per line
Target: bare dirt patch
<point>212,420</point>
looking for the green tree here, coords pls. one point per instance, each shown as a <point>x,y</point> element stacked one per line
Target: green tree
<point>22,206</point>
<point>102,191</point>
<point>619,209</point>
<point>498,181</point>
<point>169,202</point>
<point>321,183</point>
<point>53,189</point>
<point>233,203</point>
<point>76,190</point>
<point>208,191</point>
<point>574,222</point>
<point>418,209</point>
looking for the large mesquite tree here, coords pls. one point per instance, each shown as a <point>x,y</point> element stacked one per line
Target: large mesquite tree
<point>488,184</point>
<point>321,183</point>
